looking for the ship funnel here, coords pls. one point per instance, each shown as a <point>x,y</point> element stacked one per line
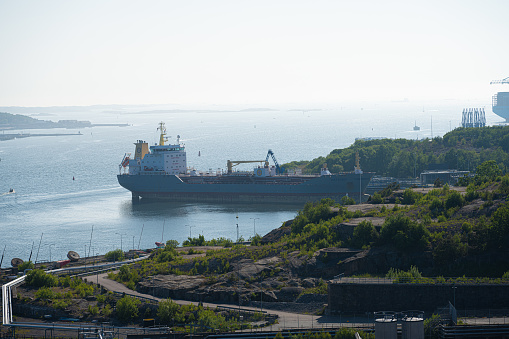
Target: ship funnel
<point>141,149</point>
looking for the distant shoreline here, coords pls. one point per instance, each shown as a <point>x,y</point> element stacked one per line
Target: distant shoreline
<point>5,137</point>
<point>10,121</point>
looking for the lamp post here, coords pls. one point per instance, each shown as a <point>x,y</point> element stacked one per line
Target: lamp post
<point>121,234</point>
<point>237,229</point>
<point>190,237</point>
<point>50,251</point>
<point>97,272</point>
<point>254,226</point>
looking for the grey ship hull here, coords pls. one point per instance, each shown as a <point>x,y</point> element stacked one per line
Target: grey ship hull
<point>231,188</point>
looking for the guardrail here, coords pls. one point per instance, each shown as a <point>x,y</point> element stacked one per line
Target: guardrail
<point>7,288</point>
<point>422,280</point>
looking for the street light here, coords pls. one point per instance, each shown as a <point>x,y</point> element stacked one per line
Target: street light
<point>97,272</point>
<point>121,234</point>
<point>254,226</point>
<point>50,251</point>
<point>238,235</point>
<point>190,237</point>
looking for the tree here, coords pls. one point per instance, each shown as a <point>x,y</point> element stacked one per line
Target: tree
<point>127,308</point>
<point>500,225</point>
<point>405,234</point>
<point>487,171</point>
<point>166,310</point>
<point>115,255</point>
<point>209,320</point>
<point>39,278</point>
<point>346,200</point>
<point>454,199</point>
<point>364,234</point>
<point>26,265</point>
<point>172,244</point>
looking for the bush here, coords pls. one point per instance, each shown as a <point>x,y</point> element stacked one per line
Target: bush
<point>449,248</point>
<point>346,200</point>
<point>44,293</point>
<point>401,276</point>
<point>166,310</point>
<point>208,320</point>
<point>39,278</point>
<point>404,233</point>
<point>454,199</point>
<point>487,171</point>
<point>500,226</point>
<point>127,308</point>
<point>172,244</point>
<point>377,198</point>
<point>364,234</point>
<point>26,265</point>
<point>115,255</point>
<point>256,240</point>
<point>410,197</point>
<point>432,326</point>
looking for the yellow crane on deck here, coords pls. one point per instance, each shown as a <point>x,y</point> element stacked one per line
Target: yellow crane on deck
<point>231,163</point>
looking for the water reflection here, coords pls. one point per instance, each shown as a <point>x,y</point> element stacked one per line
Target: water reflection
<point>151,208</point>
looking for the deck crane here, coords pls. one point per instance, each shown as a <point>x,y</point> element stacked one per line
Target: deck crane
<point>231,163</point>
<point>271,154</point>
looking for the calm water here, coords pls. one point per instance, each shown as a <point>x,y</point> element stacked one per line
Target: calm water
<point>50,203</point>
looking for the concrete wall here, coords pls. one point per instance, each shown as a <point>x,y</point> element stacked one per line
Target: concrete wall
<point>353,297</point>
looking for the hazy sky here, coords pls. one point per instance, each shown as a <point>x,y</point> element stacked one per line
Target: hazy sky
<point>249,52</point>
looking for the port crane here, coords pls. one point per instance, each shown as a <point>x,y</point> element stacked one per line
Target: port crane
<point>231,163</point>
<point>503,81</point>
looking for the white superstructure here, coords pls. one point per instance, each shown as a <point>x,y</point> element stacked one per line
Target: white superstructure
<point>160,158</point>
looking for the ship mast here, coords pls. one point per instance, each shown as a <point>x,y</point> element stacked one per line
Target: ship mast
<point>162,137</point>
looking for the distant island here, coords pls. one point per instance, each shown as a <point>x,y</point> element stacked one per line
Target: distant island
<point>17,121</point>
<point>22,122</point>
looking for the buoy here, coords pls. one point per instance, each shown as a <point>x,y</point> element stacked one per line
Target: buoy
<point>73,256</point>
<point>73,178</point>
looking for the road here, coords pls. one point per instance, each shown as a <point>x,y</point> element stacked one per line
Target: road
<point>287,320</point>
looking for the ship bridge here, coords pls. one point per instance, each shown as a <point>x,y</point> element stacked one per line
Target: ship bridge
<point>500,101</point>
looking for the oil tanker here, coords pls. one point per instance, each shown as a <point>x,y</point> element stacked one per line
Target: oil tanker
<point>161,172</point>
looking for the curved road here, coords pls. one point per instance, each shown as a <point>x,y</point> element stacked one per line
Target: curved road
<point>287,320</point>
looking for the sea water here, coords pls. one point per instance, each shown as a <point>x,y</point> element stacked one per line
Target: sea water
<point>67,196</point>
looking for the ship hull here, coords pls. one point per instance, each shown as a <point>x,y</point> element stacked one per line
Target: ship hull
<point>247,189</point>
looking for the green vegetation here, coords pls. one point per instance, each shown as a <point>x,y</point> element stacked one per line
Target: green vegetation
<point>26,265</point>
<point>462,149</point>
<point>431,222</point>
<point>207,320</point>
<point>127,308</point>
<point>200,241</point>
<point>342,333</point>
<point>115,255</point>
<point>39,278</point>
<point>60,292</point>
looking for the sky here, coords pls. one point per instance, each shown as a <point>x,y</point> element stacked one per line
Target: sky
<point>58,53</point>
